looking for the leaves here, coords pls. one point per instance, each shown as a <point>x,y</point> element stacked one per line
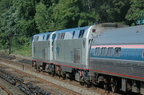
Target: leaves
<point>29,17</point>
<point>135,11</point>
<point>42,18</point>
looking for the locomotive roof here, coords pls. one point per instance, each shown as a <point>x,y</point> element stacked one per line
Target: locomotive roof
<point>46,33</point>
<point>75,33</point>
<point>72,29</point>
<point>126,35</point>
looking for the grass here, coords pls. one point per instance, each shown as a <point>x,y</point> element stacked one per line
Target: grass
<point>23,50</point>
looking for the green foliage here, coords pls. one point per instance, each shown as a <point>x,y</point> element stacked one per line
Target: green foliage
<point>5,5</point>
<point>137,7</point>
<point>9,26</point>
<point>92,18</point>
<point>26,8</point>
<point>24,50</point>
<point>26,12</point>
<point>21,19</point>
<point>66,14</point>
<point>17,24</point>
<point>42,17</point>
<point>112,10</point>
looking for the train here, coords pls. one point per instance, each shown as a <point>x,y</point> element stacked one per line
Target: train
<point>110,55</point>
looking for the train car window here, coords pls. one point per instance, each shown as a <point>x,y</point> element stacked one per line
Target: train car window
<point>81,33</point>
<point>76,35</point>
<point>68,35</point>
<point>59,36</point>
<point>97,51</point>
<point>103,51</point>
<point>36,38</point>
<point>143,54</point>
<point>53,37</point>
<point>40,38</point>
<point>117,51</point>
<point>110,51</point>
<point>47,37</point>
<point>73,34</point>
<point>62,35</point>
<point>43,37</point>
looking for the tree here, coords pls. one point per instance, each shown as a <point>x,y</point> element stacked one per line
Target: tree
<point>137,7</point>
<point>18,20</point>
<point>5,5</point>
<point>9,26</point>
<point>112,10</point>
<point>72,13</point>
<point>88,13</point>
<point>26,12</point>
<point>66,14</point>
<point>42,17</point>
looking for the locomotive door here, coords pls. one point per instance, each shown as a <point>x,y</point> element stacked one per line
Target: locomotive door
<point>77,55</point>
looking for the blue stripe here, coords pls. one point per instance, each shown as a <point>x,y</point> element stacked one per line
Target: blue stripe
<point>127,54</point>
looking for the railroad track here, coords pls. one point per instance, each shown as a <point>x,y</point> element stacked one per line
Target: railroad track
<point>6,90</point>
<point>70,92</point>
<point>37,79</point>
<point>24,67</point>
<point>7,87</point>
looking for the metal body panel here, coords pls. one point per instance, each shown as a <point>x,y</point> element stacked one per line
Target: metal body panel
<point>42,50</point>
<point>42,46</point>
<point>126,35</point>
<point>118,68</point>
<point>130,61</point>
<point>70,51</point>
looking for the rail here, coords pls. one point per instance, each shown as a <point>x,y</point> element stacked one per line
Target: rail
<point>6,90</point>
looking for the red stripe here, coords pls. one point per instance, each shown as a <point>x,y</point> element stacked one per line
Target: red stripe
<point>122,46</point>
<point>71,66</point>
<point>118,74</point>
<point>95,70</point>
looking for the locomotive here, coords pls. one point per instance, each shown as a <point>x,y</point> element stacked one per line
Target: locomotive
<point>106,54</point>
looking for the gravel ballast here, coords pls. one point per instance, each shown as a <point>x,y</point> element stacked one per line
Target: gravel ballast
<point>82,91</point>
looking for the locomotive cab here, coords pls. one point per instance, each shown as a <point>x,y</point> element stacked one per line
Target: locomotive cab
<point>42,49</point>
